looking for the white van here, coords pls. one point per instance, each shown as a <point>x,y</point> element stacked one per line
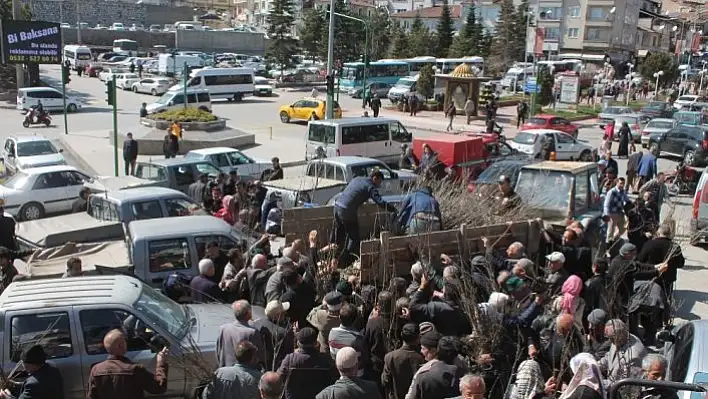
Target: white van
<point>166,63</point>
<point>174,99</point>
<point>378,138</point>
<point>222,83</point>
<point>514,77</point>
<point>78,56</point>
<point>52,99</point>
<point>403,88</point>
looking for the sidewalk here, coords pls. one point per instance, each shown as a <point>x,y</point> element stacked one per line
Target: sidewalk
<point>437,122</point>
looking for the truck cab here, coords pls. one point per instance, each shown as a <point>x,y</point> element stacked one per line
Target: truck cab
<point>344,169</point>
<point>175,173</point>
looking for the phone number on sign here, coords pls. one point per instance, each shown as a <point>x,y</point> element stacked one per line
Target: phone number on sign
<point>46,59</point>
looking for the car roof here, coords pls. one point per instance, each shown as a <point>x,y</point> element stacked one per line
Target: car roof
<point>351,160</point>
<point>141,193</point>
<point>47,293</point>
<point>360,120</point>
<point>544,116</point>
<point>540,131</point>
<point>662,120</point>
<point>26,139</point>
<point>173,161</point>
<point>30,89</point>
<point>214,150</point>
<point>633,115</point>
<point>183,225</point>
<point>47,169</point>
<point>564,166</point>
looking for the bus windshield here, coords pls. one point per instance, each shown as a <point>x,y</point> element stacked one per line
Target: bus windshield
<point>125,44</point>
<point>405,83</point>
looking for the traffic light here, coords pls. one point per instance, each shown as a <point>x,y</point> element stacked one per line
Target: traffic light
<point>65,74</point>
<point>330,84</point>
<point>110,92</point>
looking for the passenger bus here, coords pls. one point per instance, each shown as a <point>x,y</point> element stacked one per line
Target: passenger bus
<point>417,63</point>
<point>78,56</point>
<point>125,47</point>
<point>563,65</point>
<point>378,71</point>
<point>447,65</point>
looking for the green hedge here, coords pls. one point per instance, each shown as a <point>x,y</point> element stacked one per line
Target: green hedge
<point>184,115</point>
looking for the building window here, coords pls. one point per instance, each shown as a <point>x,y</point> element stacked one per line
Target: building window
<point>550,13</point>
<point>551,33</point>
<point>574,12</point>
<point>597,14</point>
<point>574,32</point>
<point>596,34</point>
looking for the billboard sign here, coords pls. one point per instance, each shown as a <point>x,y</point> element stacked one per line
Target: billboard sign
<point>31,42</point>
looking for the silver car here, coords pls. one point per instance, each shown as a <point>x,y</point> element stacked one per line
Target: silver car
<point>636,123</point>
<point>608,114</point>
<point>656,126</point>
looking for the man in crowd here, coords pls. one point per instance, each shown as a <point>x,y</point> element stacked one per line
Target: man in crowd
<point>307,371</point>
<point>197,190</point>
<point>613,211</point>
<point>73,268</point>
<point>271,386</point>
<point>44,380</point>
<point>419,212</point>
<point>349,385</point>
<point>130,154</point>
<point>624,358</point>
<point>203,288</point>
<point>401,364</point>
<point>326,317</point>
<point>80,204</point>
<point>240,380</point>
<point>278,335</point>
<point>231,334</point>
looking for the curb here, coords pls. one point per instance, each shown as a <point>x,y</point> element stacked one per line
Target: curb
<point>82,164</point>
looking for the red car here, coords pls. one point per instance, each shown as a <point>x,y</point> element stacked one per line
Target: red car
<point>551,122</point>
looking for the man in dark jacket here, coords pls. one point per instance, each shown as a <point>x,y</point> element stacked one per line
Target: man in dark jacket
<point>202,287</point>
<point>119,378</point>
<point>401,365</point>
<point>130,154</point>
<point>578,258</point>
<point>595,291</point>
<point>446,315</point>
<point>419,212</point>
<point>307,371</point>
<point>299,294</point>
<point>376,105</point>
<point>596,343</point>
<point>439,378</point>
<point>375,333</point>
<point>44,381</point>
<point>349,386</point>
<point>276,173</point>
<point>197,190</point>
<point>632,169</point>
<point>358,191</point>
<point>278,335</point>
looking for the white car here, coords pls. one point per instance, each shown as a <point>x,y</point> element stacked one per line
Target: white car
<point>262,87</point>
<point>117,26</point>
<point>26,152</point>
<point>154,86</point>
<point>51,98</point>
<point>34,193</point>
<point>125,80</point>
<point>566,147</point>
<point>687,100</point>
<point>107,74</point>
<point>229,159</point>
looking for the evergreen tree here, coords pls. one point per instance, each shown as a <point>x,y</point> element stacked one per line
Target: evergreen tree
<point>400,43</point>
<point>426,81</point>
<point>471,39</point>
<point>283,45</point>
<point>348,35</point>
<point>545,79</point>
<point>519,43</point>
<point>381,34</point>
<point>313,31</point>
<point>505,34</point>
<point>445,31</point>
<point>419,40</point>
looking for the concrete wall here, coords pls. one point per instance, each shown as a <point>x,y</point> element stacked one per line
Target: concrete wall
<point>99,37</point>
<point>233,42</point>
<point>107,12</point>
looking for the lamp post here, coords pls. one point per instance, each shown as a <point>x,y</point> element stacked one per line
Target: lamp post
<point>329,105</point>
<point>535,66</point>
<point>657,75</point>
<point>366,52</point>
<point>629,82</point>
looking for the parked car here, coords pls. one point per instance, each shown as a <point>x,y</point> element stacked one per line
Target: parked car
<point>93,70</point>
<point>656,126</point>
<point>686,360</point>
<point>107,74</point>
<point>608,114</point>
<point>307,109</point>
<point>345,168</point>
<point>154,86</point>
<point>687,100</point>
<point>658,109</point>
<point>26,152</point>
<point>175,173</point>
<point>262,87</point>
<point>33,193</point>
<point>376,88</point>
<point>229,159</point>
<point>685,141</point>
<point>125,80</point>
<point>567,148</point>
<point>699,216</point>
<point>689,118</point>
<point>636,123</point>
<point>551,122</point>
<point>52,99</point>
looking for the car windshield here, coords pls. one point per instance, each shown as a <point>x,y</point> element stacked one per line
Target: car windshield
<point>491,174</point>
<point>536,121</point>
<point>687,98</point>
<point>614,110</point>
<point>404,83</point>
<point>532,188</point>
<point>525,138</point>
<point>162,82</point>
<point>33,148</point>
<point>163,312</point>
<point>660,125</point>
<point>629,119</point>
<point>165,99</point>
<point>17,182</point>
<point>260,81</point>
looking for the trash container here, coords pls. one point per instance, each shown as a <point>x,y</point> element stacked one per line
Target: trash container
<point>607,101</point>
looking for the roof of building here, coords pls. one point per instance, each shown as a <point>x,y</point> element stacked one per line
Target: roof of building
<point>429,13</point>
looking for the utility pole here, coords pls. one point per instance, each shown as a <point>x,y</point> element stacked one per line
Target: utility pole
<point>115,126</point>
<point>19,70</point>
<point>78,23</point>
<point>184,83</point>
<point>329,110</point>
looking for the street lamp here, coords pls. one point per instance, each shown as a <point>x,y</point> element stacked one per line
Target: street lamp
<point>629,81</point>
<point>657,75</point>
<point>366,51</point>
<point>528,23</point>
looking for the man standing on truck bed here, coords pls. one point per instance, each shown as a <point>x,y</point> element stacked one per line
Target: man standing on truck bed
<point>358,191</point>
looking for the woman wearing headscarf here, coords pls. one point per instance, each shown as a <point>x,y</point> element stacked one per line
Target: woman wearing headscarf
<point>587,379</point>
<point>570,300</point>
<point>529,380</point>
<point>228,211</point>
<point>625,139</point>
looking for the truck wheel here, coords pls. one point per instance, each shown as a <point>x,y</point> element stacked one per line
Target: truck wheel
<point>238,97</point>
<point>31,211</point>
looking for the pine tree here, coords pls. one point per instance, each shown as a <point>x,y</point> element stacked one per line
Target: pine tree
<point>545,79</point>
<point>348,35</point>
<point>445,31</point>
<point>381,34</point>
<point>400,43</point>
<point>283,45</point>
<point>470,40</point>
<point>505,33</point>
<point>419,39</point>
<point>312,33</point>
<point>519,43</point>
<point>426,81</point>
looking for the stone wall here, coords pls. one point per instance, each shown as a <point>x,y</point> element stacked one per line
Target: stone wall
<point>105,38</point>
<point>232,42</point>
<point>106,12</point>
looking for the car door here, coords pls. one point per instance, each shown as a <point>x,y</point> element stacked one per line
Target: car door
<point>183,177</point>
<point>55,329</point>
<point>679,139</point>
<point>75,182</point>
<point>51,99</point>
<point>95,321</point>
<point>145,85</point>
<point>51,190</point>
<point>244,166</point>
<point>221,161</point>
<point>565,147</point>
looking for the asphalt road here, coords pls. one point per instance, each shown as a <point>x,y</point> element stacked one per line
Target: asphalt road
<point>260,116</point>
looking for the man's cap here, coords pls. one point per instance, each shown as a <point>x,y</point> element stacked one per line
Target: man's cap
<point>430,339</point>
<point>34,355</point>
<point>426,327</point>
<point>627,248</point>
<point>306,337</point>
<point>277,306</point>
<point>556,257</point>
<point>345,288</point>
<point>597,317</point>
<point>334,300</point>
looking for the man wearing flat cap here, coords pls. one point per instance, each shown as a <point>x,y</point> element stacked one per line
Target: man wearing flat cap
<point>349,386</point>
<point>44,381</point>
<point>307,371</point>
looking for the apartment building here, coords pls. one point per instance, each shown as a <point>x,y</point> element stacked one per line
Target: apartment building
<point>430,16</point>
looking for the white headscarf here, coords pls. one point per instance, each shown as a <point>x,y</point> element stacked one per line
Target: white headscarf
<point>586,372</point>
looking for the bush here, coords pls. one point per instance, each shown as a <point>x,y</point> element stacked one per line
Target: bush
<point>184,115</point>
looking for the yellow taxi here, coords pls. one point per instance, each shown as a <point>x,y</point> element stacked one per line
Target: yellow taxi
<point>309,109</point>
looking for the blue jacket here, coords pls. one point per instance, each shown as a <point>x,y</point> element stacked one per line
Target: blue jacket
<point>647,165</point>
<point>420,200</point>
<point>357,192</point>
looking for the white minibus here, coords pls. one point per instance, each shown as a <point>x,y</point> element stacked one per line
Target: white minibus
<point>78,56</point>
<point>378,138</point>
<point>222,83</point>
